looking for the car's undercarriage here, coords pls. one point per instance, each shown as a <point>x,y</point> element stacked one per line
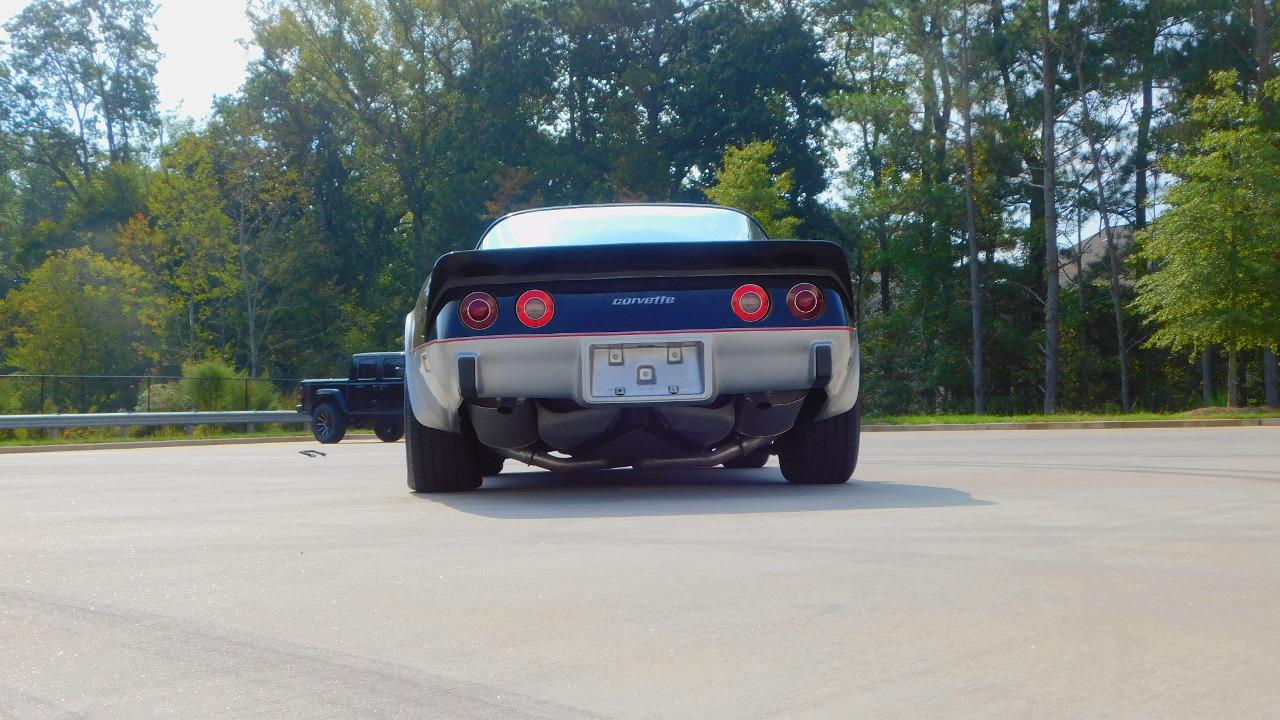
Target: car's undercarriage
<point>563,435</point>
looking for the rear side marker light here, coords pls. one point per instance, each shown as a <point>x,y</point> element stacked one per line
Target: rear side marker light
<point>478,310</point>
<point>535,308</point>
<point>805,301</point>
<point>750,303</point>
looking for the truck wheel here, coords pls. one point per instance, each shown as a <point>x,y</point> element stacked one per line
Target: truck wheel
<point>440,461</point>
<point>755,459</point>
<point>389,430</point>
<point>328,424</point>
<point>823,452</point>
<point>490,462</point>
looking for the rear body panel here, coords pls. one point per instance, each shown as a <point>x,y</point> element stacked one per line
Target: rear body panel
<point>638,269</point>
<point>555,367</point>
<point>639,306</point>
<point>647,297</point>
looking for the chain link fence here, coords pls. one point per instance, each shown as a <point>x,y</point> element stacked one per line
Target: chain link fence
<point>47,394</point>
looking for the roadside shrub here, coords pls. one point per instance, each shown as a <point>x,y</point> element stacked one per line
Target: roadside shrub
<point>263,395</point>
<point>164,397</point>
<point>10,398</point>
<point>211,385</point>
<point>214,385</point>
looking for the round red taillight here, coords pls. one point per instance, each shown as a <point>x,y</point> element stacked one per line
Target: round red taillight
<point>750,303</point>
<point>535,308</point>
<point>478,310</point>
<point>805,301</point>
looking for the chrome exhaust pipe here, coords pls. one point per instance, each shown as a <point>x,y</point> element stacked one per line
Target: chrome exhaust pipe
<point>545,461</point>
<point>733,450</point>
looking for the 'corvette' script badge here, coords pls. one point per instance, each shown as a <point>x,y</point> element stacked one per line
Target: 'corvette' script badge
<point>650,300</point>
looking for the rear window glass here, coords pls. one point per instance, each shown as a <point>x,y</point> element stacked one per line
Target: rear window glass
<point>620,224</point>
<point>368,371</point>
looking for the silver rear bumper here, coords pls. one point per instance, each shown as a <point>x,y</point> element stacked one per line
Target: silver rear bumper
<point>552,366</point>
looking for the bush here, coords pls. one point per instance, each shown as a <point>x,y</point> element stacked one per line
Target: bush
<point>164,397</point>
<point>10,398</point>
<point>263,395</point>
<point>212,385</point>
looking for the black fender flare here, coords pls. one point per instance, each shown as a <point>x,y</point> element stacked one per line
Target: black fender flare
<point>334,395</point>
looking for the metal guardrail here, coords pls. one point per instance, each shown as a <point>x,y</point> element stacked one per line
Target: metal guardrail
<point>235,417</point>
<point>23,394</point>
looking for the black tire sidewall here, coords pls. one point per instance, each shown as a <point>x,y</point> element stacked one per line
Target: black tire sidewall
<point>823,452</point>
<point>334,427</point>
<point>388,430</point>
<point>439,461</point>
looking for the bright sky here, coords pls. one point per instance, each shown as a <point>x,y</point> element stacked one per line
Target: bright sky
<point>199,40</point>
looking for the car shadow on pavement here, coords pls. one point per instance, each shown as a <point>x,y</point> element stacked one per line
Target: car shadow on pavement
<point>636,493</point>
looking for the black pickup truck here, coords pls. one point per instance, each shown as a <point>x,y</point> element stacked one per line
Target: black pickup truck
<point>372,395</point>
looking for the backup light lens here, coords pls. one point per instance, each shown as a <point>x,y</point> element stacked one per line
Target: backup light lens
<point>478,310</point>
<point>805,301</point>
<point>750,303</point>
<point>535,308</point>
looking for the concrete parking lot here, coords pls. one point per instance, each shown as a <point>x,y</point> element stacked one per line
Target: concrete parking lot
<point>1054,574</point>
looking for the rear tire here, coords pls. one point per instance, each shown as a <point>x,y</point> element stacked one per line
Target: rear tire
<point>490,462</point>
<point>823,452</point>
<point>328,424</point>
<point>755,459</point>
<point>439,461</point>
<point>389,430</point>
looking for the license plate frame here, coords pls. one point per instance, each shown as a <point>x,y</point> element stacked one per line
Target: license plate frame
<point>640,371</point>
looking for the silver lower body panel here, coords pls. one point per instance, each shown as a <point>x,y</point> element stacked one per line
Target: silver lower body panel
<point>568,367</point>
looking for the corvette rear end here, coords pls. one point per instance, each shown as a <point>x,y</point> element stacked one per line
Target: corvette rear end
<point>616,336</point>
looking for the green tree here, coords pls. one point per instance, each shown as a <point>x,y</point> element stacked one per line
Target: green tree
<point>10,221</point>
<point>431,86</point>
<point>1217,247</point>
<point>80,83</point>
<point>349,258</point>
<point>81,313</point>
<point>746,71</point>
<point>199,256</point>
<point>261,197</point>
<point>745,182</point>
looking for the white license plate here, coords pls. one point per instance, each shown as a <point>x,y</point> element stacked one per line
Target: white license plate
<point>647,372</point>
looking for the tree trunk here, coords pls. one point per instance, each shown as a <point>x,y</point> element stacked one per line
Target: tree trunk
<point>191,327</point>
<point>1233,377</point>
<point>1142,150</point>
<point>1269,377</point>
<point>1081,286</point>
<point>1016,117</point>
<point>250,304</point>
<point>252,330</point>
<point>1051,339</point>
<point>970,219</point>
<point>1113,258</point>
<point>1262,50</point>
<point>420,253</point>
<point>882,235</point>
<point>886,270</point>
<point>1262,41</point>
<point>1206,376</point>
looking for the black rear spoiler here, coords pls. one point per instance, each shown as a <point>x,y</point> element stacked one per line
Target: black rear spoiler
<point>469,268</point>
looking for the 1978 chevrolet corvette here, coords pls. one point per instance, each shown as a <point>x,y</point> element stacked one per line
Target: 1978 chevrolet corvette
<point>652,336</point>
